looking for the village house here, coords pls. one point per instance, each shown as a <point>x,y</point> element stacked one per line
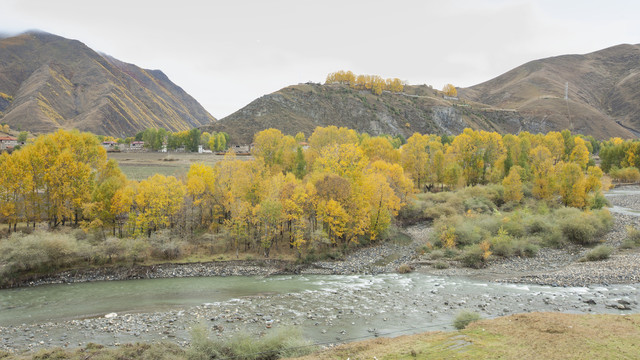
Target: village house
<point>110,145</point>
<point>8,143</point>
<point>137,145</point>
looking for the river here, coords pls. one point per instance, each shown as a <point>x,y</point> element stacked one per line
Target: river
<point>326,308</point>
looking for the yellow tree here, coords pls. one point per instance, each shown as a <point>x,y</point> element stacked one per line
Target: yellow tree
<point>415,159</point>
<point>200,188</point>
<point>109,180</point>
<point>122,205</point>
<point>379,148</point>
<point>466,152</point>
<point>513,185</point>
<point>543,172</point>
<point>10,184</point>
<point>450,90</point>
<point>571,184</point>
<point>555,143</point>
<point>580,153</point>
<point>158,200</point>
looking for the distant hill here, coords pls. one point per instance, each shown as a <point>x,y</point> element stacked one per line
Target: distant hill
<point>421,109</point>
<point>48,82</point>
<point>604,88</point>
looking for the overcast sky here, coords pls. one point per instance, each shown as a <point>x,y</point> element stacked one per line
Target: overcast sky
<point>228,53</point>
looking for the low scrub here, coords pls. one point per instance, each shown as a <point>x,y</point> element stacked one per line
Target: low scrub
<point>600,252</point>
<point>632,240</point>
<point>628,174</point>
<point>584,228</point>
<point>38,252</point>
<point>404,269</point>
<point>278,344</point>
<point>473,256</point>
<point>464,318</point>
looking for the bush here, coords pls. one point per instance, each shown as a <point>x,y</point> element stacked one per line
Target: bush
<point>275,345</point>
<point>473,257</point>
<point>479,205</point>
<point>633,238</point>
<point>628,174</point>
<point>40,252</point>
<point>600,252</point>
<point>464,318</point>
<point>584,228</point>
<point>404,269</point>
<point>441,265</point>
<point>537,224</point>
<point>526,247</point>
<point>166,249</point>
<point>436,254</point>
<point>502,244</point>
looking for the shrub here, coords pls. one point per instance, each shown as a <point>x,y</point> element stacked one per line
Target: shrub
<point>584,228</point>
<point>167,250</point>
<point>526,247</point>
<point>554,238</point>
<point>464,318</point>
<point>502,244</point>
<point>436,254</point>
<point>628,174</point>
<point>479,204</point>
<point>633,238</point>
<point>473,257</point>
<point>278,344</point>
<point>600,252</point>
<point>404,269</point>
<point>441,265</point>
<point>40,251</point>
<point>468,233</point>
<point>438,210</point>
<point>598,201</point>
<point>537,225</point>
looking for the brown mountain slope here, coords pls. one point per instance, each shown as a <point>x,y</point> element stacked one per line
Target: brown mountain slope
<point>48,82</point>
<point>604,88</point>
<point>303,107</point>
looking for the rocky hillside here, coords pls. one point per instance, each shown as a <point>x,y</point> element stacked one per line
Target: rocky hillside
<point>603,90</point>
<point>48,82</point>
<point>303,107</point>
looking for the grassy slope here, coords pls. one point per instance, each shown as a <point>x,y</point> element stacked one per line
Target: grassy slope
<point>522,336</point>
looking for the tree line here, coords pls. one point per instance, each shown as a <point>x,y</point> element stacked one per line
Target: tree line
<point>346,188</point>
<point>374,83</point>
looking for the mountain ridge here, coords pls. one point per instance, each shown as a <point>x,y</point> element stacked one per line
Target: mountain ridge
<point>602,89</point>
<point>54,82</point>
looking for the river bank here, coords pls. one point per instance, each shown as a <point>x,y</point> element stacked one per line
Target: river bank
<point>555,267</point>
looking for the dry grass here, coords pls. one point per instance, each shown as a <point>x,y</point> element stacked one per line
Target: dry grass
<point>522,336</point>
<point>141,165</point>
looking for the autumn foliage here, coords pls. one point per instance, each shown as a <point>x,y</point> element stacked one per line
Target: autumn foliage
<point>345,188</point>
<point>374,83</point>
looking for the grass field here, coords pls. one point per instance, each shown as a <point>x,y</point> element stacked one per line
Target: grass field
<point>522,336</point>
<point>139,166</point>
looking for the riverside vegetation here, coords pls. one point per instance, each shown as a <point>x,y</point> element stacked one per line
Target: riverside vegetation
<point>486,193</point>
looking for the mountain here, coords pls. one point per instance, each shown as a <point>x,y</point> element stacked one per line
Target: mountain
<point>602,101</point>
<point>603,91</point>
<point>48,82</point>
<point>303,107</point>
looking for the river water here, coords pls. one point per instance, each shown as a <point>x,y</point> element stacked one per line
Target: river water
<point>326,308</point>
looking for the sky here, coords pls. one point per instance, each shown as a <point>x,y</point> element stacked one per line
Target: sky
<point>228,53</point>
